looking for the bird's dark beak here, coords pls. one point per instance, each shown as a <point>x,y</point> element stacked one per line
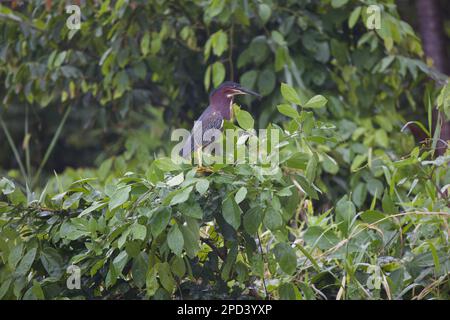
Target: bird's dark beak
<point>247,91</point>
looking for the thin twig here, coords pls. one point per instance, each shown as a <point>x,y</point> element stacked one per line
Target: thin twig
<point>264,260</point>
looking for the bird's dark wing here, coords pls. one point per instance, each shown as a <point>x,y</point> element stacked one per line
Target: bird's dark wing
<point>210,119</point>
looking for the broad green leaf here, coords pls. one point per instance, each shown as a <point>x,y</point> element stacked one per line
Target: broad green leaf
<point>338,3</point>
<point>26,262</point>
<point>202,186</point>
<point>151,281</point>
<point>253,219</point>
<point>218,73</point>
<point>120,261</point>
<point>178,267</point>
<point>191,235</point>
<point>231,212</point>
<point>119,197</point>
<point>316,236</point>
<point>176,180</point>
<point>315,102</point>
<point>71,200</point>
<point>165,276</point>
<point>95,206</point>
<point>245,120</point>
<point>288,110</point>
<point>290,94</point>
<point>166,164</point>
<point>287,291</point>
<point>191,209</point>
<point>240,195</point>
<point>272,219</point>
<point>139,269</point>
<point>139,232</point>
<point>286,257</point>
<point>160,221</point>
<point>175,240</point>
<point>7,186</point>
<point>266,82</point>
<point>354,17</point>
<point>264,12</point>
<point>345,212</point>
<point>15,255</point>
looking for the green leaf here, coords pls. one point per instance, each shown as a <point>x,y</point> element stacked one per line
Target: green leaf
<point>202,186</point>
<point>119,197</point>
<point>354,16</point>
<point>95,206</point>
<point>7,186</point>
<point>307,187</point>
<point>191,209</point>
<point>145,44</point>
<point>252,220</point>
<point>329,164</point>
<point>178,267</point>
<point>287,291</point>
<point>139,269</point>
<point>316,102</point>
<point>381,138</point>
<point>338,3</point>
<point>74,198</point>
<point>165,164</point>
<point>120,261</point>
<point>179,196</point>
<point>266,82</point>
<point>160,221</point>
<point>26,262</point>
<point>248,79</point>
<point>290,94</point>
<point>176,180</point>
<point>288,110</point>
<point>165,276</point>
<point>286,257</point>
<point>278,38</point>
<point>139,232</point>
<point>218,73</point>
<point>359,194</point>
<point>191,235</point>
<point>37,290</point>
<point>175,240</point>
<point>245,120</point>
<point>15,255</point>
<point>272,219</point>
<point>5,287</point>
<point>52,262</point>
<point>264,11</point>
<point>231,212</point>
<point>151,282</point>
<point>345,212</point>
<point>219,42</point>
<point>315,235</point>
<point>240,195</point>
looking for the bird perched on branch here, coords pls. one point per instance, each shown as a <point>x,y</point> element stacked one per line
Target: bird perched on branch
<point>220,108</point>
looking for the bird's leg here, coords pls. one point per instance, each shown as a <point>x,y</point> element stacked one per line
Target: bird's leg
<point>199,157</point>
<point>201,168</point>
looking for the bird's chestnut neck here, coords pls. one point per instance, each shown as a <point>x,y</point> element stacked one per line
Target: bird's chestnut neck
<point>222,103</point>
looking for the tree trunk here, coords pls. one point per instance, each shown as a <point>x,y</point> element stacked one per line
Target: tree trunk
<point>431,31</point>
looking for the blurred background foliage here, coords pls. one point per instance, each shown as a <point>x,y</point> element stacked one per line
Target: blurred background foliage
<point>102,101</point>
<point>138,69</point>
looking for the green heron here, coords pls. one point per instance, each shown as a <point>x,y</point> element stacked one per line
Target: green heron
<point>220,108</point>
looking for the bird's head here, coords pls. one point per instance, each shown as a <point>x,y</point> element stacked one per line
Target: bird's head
<point>230,89</point>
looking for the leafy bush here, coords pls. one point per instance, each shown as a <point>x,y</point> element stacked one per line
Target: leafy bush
<point>180,232</point>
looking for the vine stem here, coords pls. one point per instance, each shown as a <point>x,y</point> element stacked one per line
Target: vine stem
<point>230,54</point>
<point>265,261</point>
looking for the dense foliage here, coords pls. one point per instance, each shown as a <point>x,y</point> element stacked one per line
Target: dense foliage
<point>357,210</point>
